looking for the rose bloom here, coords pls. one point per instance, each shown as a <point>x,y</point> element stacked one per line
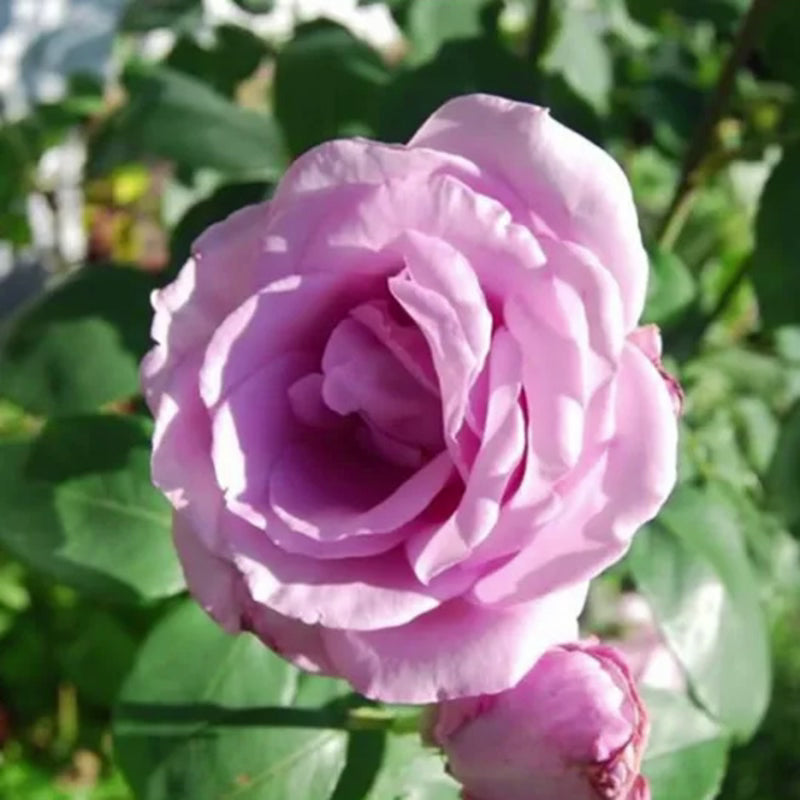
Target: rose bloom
<point>403,412</point>
<point>573,728</point>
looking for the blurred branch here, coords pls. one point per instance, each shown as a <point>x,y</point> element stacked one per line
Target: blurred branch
<point>540,28</point>
<point>728,292</point>
<point>704,135</point>
<point>683,342</point>
<point>711,165</point>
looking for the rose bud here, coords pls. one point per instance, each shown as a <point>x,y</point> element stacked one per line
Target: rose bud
<point>574,728</point>
<point>404,412</point>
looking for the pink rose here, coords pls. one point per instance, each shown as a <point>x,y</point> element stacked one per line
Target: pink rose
<point>573,728</point>
<point>399,410</point>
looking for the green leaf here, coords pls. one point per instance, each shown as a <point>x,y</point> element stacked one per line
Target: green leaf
<point>143,15</point>
<point>177,735</point>
<point>775,270</point>
<point>23,779</point>
<point>460,67</point>
<point>14,596</point>
<point>783,478</point>
<point>233,55</point>
<point>685,758</point>
<point>176,117</point>
<point>692,566</point>
<point>779,41</point>
<point>16,161</point>
<point>99,657</point>
<point>79,346</point>
<point>221,203</point>
<point>410,770</point>
<point>431,23</point>
<point>77,504</point>
<point>740,371</point>
<point>670,290</point>
<point>327,84</point>
<point>482,64</point>
<point>581,56</point>
<point>381,766</point>
<point>757,430</point>
<point>256,6</point>
<point>723,13</point>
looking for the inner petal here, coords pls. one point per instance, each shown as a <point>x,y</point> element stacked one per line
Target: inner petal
<point>362,376</point>
<point>328,491</point>
<point>440,291</point>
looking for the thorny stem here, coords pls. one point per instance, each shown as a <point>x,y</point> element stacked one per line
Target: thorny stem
<point>704,135</point>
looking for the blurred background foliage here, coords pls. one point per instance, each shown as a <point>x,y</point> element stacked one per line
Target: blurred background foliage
<point>110,683</point>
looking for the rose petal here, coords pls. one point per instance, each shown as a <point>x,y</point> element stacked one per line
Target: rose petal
<point>574,186</point>
<point>188,310</point>
<point>560,732</point>
<point>250,428</point>
<point>308,407</point>
<point>219,589</point>
<point>352,227</point>
<point>295,313</point>
<point>181,463</point>
<point>501,450</point>
<point>212,580</point>
<point>364,163</point>
<point>553,379</point>
<point>349,593</point>
<point>624,488</point>
<point>456,650</point>
<point>363,377</point>
<point>441,293</point>
<point>402,340</point>
<point>598,291</point>
<point>326,492</point>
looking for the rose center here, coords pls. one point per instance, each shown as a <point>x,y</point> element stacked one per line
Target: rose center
<point>376,378</point>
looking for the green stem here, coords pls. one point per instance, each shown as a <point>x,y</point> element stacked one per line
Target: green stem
<point>336,717</point>
<point>704,135</point>
<point>370,718</point>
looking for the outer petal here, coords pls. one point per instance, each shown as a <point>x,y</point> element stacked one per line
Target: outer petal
<point>218,588</point>
<point>552,371</point>
<point>624,488</point>
<point>204,292</point>
<point>350,593</point>
<point>364,163</point>
<point>457,650</point>
<point>213,581</point>
<point>599,292</point>
<point>181,462</point>
<point>576,188</point>
<point>320,225</point>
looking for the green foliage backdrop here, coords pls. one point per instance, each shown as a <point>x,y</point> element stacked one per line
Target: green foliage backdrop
<point>112,684</point>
